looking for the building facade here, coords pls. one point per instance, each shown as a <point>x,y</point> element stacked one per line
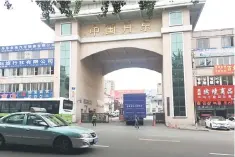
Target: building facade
<point>89,46</point>
<point>27,71</point>
<point>153,101</point>
<point>109,87</point>
<point>213,69</point>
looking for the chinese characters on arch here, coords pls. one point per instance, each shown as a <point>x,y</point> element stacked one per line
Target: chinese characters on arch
<point>126,28</point>
<point>214,93</point>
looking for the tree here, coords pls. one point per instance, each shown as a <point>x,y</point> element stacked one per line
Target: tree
<point>65,7</point>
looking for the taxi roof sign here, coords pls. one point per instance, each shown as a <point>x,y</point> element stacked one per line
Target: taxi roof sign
<point>38,109</point>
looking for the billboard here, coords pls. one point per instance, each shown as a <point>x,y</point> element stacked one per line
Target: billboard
<point>224,69</point>
<point>27,63</point>
<point>214,93</point>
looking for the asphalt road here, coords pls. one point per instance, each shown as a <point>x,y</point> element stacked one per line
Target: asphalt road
<point>117,140</point>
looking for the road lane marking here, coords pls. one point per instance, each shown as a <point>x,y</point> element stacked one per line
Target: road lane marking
<point>163,136</point>
<point>157,140</point>
<point>219,154</point>
<point>102,146</point>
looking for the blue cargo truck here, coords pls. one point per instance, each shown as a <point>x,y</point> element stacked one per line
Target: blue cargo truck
<point>134,104</point>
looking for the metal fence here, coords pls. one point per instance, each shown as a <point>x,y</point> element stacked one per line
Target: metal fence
<point>100,117</point>
<point>160,117</point>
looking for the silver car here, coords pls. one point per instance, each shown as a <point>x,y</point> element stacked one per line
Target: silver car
<point>43,129</point>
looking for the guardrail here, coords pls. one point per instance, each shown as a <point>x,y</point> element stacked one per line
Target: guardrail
<point>100,118</point>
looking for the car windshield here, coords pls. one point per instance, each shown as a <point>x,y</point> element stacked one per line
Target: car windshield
<point>55,121</point>
<point>217,118</point>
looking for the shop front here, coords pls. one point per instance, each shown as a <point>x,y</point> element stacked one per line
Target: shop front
<point>217,100</point>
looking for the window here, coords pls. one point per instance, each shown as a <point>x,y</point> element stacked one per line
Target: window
<point>1,88</point>
<point>176,18</point>
<point>52,70</point>
<point>227,80</point>
<point>223,60</point>
<point>36,71</point>
<point>31,119</point>
<point>30,71</point>
<point>26,87</point>
<point>35,54</point>
<point>34,86</point>
<point>7,88</point>
<point>178,74</point>
<point>5,56</point>
<point>40,86</point>
<point>15,87</point>
<point>14,119</point>
<point>1,72</point>
<point>66,29</point>
<point>227,41</point>
<point>51,54</point>
<point>44,86</point>
<point>46,70</point>
<point>19,71</point>
<point>50,86</point>
<point>14,72</point>
<point>64,68</point>
<point>203,43</point>
<point>217,80</point>
<point>232,60</point>
<point>20,55</point>
<point>6,72</point>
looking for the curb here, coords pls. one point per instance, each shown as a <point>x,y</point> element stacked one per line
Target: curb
<point>193,129</point>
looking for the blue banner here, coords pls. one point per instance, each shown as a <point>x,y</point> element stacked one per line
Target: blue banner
<point>28,94</point>
<point>28,47</point>
<point>27,63</point>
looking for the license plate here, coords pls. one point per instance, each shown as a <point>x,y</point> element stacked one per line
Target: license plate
<point>95,140</point>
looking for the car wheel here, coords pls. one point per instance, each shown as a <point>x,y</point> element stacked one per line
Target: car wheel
<point>211,126</point>
<point>2,142</point>
<point>62,145</point>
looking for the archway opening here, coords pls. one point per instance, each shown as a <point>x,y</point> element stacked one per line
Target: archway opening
<point>111,61</point>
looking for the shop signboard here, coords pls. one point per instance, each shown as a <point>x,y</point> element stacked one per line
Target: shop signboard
<point>28,94</point>
<point>214,94</point>
<point>28,47</point>
<point>224,69</point>
<point>27,63</point>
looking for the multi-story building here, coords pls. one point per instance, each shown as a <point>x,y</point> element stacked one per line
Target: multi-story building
<point>153,101</point>
<point>27,71</point>
<point>109,87</point>
<point>213,71</point>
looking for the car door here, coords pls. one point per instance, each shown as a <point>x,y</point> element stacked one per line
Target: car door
<point>12,128</point>
<point>37,135</point>
<point>231,122</point>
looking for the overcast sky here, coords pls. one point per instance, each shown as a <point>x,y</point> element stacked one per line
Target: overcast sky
<point>22,25</point>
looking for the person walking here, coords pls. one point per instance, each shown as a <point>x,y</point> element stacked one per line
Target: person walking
<point>137,122</point>
<point>94,119</point>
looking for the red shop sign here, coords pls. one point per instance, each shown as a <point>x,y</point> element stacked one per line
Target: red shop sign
<point>214,93</point>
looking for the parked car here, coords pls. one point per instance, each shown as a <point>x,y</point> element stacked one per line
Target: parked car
<point>231,122</point>
<point>44,129</point>
<point>217,122</point>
